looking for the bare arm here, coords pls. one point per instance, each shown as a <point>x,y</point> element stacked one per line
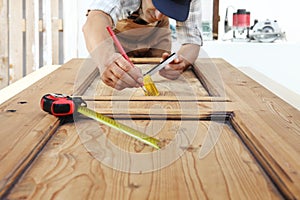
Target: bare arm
<point>189,52</point>
<point>94,27</point>
<point>115,70</point>
<point>189,35</point>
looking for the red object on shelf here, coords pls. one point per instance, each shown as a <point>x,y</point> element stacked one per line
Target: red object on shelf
<point>241,19</point>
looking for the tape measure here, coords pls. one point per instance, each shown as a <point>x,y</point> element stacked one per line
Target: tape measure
<point>63,106</point>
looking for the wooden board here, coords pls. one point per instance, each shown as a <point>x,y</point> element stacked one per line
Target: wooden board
<point>268,125</point>
<point>25,128</point>
<point>187,85</point>
<point>67,170</point>
<point>250,153</point>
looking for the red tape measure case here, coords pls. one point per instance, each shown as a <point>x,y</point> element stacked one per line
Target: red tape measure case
<point>58,105</point>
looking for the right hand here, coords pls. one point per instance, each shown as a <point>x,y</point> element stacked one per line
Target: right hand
<point>174,69</point>
<point>118,73</point>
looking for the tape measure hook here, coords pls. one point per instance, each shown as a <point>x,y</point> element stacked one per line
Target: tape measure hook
<point>78,101</point>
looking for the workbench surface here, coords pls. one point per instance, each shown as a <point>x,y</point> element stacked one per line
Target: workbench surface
<point>224,137</point>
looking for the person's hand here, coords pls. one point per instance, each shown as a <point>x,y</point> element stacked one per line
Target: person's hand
<point>118,73</point>
<point>174,69</point>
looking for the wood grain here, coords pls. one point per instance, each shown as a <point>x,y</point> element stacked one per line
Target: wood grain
<point>208,74</point>
<point>267,124</point>
<point>67,170</point>
<point>156,98</point>
<point>162,109</point>
<point>67,166</point>
<point>25,128</point>
<point>152,60</point>
<point>184,98</point>
<point>187,85</point>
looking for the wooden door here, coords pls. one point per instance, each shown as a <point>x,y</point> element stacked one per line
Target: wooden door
<point>223,137</point>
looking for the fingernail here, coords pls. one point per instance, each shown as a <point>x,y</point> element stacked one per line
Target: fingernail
<point>140,81</point>
<point>167,67</point>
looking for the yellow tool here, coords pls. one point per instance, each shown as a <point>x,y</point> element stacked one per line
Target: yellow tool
<point>151,89</point>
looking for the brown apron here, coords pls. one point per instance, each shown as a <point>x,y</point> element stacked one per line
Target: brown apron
<point>149,40</point>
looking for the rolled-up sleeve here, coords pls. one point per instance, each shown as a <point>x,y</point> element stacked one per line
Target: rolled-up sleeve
<point>111,7</point>
<point>189,31</point>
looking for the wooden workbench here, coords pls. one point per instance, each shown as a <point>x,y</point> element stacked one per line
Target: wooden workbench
<point>225,136</point>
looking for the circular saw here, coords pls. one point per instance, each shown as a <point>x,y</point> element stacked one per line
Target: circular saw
<point>266,31</point>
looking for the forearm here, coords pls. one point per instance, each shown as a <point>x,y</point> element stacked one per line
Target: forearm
<point>115,71</point>
<point>94,29</point>
<point>98,40</point>
<point>189,52</point>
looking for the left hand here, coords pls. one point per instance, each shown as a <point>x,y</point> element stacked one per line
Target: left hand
<point>175,68</point>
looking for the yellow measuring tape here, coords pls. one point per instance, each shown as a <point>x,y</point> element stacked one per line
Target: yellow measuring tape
<point>121,127</point>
